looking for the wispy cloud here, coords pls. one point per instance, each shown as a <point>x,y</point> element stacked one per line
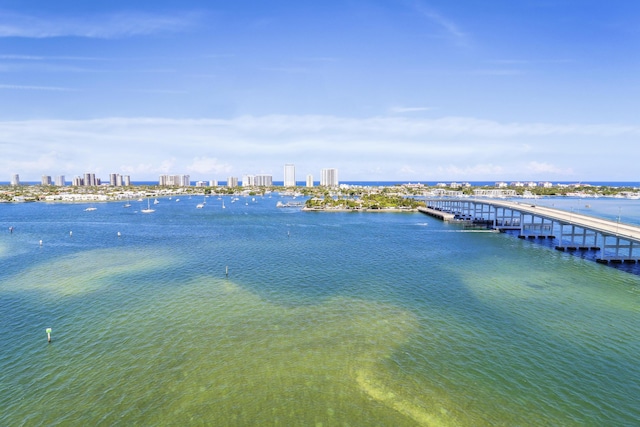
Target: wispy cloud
<point>162,91</point>
<point>45,88</point>
<point>95,26</point>
<point>498,72</point>
<point>450,28</point>
<point>17,57</point>
<point>402,110</point>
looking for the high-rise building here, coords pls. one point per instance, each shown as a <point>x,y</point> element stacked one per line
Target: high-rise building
<point>213,183</point>
<point>248,180</point>
<point>126,180</point>
<point>60,180</point>
<point>263,181</point>
<point>329,178</point>
<point>90,180</point>
<point>113,179</point>
<point>309,180</point>
<point>15,180</point>
<point>174,180</point>
<point>46,180</point>
<point>232,181</point>
<point>77,181</point>
<point>289,175</point>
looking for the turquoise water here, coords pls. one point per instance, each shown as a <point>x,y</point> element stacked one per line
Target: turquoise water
<point>324,319</point>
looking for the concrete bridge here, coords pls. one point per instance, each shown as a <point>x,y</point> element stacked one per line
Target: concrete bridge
<point>614,241</point>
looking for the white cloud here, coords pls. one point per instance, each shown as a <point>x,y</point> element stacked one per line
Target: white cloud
<point>547,168</point>
<point>471,171</point>
<point>406,147</point>
<point>402,110</point>
<point>208,166</point>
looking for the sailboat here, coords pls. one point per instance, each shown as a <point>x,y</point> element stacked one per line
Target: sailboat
<point>201,205</point>
<point>148,210</point>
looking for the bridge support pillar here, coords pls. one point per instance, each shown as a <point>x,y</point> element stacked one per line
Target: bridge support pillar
<point>573,238</point>
<point>616,249</point>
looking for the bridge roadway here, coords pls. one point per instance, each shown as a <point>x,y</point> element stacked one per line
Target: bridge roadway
<point>599,230</point>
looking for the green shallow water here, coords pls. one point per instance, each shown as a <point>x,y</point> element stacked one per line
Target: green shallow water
<point>324,320</point>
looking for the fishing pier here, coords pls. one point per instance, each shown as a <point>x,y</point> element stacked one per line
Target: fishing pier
<point>614,242</point>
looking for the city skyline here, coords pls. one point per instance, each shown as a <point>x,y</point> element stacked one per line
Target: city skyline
<point>396,91</point>
<point>173,179</point>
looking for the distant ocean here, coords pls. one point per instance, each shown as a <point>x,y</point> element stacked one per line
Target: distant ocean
<point>240,313</point>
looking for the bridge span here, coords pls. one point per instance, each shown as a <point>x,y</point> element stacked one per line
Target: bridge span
<point>613,241</point>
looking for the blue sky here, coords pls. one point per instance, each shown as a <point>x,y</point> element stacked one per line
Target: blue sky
<point>382,90</point>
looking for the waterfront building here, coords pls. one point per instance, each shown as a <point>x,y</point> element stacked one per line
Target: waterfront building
<point>77,181</point>
<point>309,180</point>
<point>60,181</point>
<point>213,183</point>
<point>90,180</point>
<point>116,180</point>
<point>494,192</point>
<point>329,177</point>
<point>201,184</point>
<point>289,175</point>
<point>15,180</point>
<point>174,180</point>
<point>248,180</point>
<point>46,180</point>
<point>263,181</point>
<point>232,181</point>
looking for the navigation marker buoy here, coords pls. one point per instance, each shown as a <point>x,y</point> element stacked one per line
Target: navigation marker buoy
<point>40,242</point>
<point>48,330</point>
<point>119,234</point>
<point>226,271</point>
<point>71,233</point>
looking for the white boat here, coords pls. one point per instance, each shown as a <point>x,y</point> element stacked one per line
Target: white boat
<point>90,209</point>
<point>148,210</point>
<point>155,202</point>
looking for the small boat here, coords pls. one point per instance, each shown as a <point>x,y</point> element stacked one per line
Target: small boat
<point>90,209</point>
<point>148,210</point>
<point>155,202</point>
